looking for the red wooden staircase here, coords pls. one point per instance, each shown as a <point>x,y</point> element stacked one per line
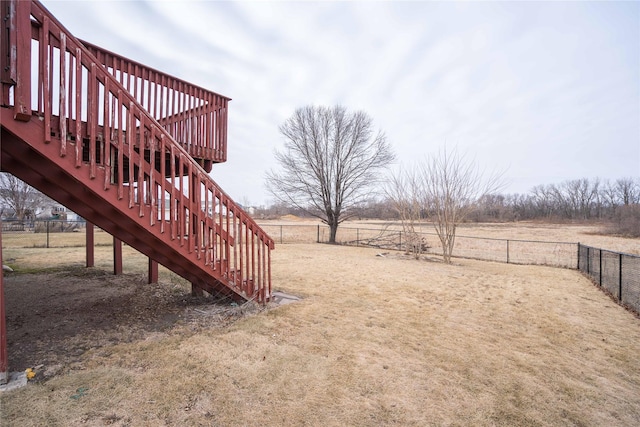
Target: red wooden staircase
<point>129,149</point>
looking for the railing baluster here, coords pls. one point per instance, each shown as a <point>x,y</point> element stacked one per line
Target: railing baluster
<point>107,136</point>
<point>227,243</point>
<point>239,244</point>
<point>220,231</point>
<point>152,178</point>
<point>131,131</point>
<point>193,121</point>
<point>41,59</point>
<point>269,273</point>
<point>46,58</point>
<point>114,126</point>
<point>181,207</point>
<point>262,270</point>
<point>207,225</point>
<point>246,259</point>
<point>235,245</point>
<point>198,206</point>
<point>129,77</point>
<point>78,131</point>
<point>157,100</point>
<point>63,95</point>
<point>163,93</point>
<point>141,147</point>
<point>191,207</point>
<point>70,87</point>
<point>173,220</point>
<point>181,116</point>
<point>163,182</point>
<point>121,136</point>
<point>143,91</point>
<point>92,117</point>
<point>253,261</point>
<point>174,109</point>
<point>135,83</point>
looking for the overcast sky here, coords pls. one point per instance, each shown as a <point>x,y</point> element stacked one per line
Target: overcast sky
<point>549,90</point>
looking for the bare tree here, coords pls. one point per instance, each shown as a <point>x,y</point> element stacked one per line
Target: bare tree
<point>579,197</point>
<point>331,160</point>
<point>543,200</point>
<point>628,191</point>
<point>453,184</point>
<point>24,200</point>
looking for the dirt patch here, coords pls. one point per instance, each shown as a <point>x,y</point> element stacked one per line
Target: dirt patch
<point>54,318</point>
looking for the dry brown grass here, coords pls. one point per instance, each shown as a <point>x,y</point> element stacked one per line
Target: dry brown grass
<point>28,260</point>
<point>375,341</point>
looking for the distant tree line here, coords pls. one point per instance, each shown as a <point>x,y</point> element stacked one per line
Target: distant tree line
<point>616,202</point>
<point>579,199</point>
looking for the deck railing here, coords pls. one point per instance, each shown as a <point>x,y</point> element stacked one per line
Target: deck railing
<point>98,124</point>
<point>193,116</point>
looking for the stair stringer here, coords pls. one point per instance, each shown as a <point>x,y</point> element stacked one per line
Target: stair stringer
<point>41,166</point>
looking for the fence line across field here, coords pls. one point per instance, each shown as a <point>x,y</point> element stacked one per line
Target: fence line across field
<point>513,251</point>
<point>49,234</point>
<point>616,273</point>
<point>556,254</point>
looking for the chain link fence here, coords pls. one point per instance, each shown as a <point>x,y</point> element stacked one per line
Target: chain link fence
<point>294,233</point>
<point>555,254</point>
<point>616,273</point>
<point>49,234</point>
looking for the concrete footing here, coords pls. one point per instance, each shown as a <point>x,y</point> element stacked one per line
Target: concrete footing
<point>281,298</point>
<point>16,380</point>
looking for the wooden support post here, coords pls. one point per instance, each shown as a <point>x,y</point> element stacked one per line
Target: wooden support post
<point>6,81</point>
<point>89,245</point>
<point>117,256</point>
<point>153,271</point>
<point>196,291</point>
<point>4,354</point>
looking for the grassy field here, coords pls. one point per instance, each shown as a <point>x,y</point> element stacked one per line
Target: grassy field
<point>374,341</point>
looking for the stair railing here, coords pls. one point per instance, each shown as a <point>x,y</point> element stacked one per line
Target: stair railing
<point>99,125</point>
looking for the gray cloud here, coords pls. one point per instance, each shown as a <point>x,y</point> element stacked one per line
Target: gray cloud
<point>550,89</point>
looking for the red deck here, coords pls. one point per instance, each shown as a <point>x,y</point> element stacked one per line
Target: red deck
<point>129,149</point>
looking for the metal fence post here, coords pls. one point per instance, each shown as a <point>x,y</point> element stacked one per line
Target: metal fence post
<point>47,222</point>
<point>318,238</point>
<point>620,277</point>
<point>357,237</point>
<point>507,251</point>
<point>600,268</point>
<point>578,255</point>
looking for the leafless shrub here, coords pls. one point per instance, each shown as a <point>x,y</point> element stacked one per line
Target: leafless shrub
<point>405,192</point>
